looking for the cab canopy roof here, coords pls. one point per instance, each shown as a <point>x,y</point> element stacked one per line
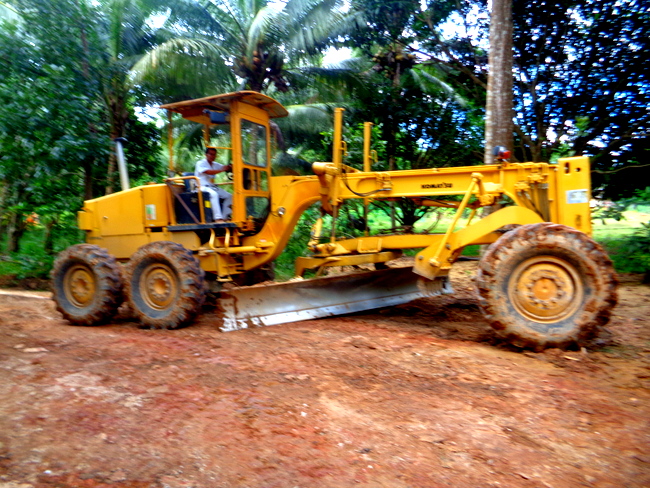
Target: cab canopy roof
<point>194,110</point>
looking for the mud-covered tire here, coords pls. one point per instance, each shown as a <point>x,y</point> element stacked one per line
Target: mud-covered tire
<point>546,285</point>
<point>164,285</point>
<point>87,284</point>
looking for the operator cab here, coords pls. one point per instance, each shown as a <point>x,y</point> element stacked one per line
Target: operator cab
<point>238,126</point>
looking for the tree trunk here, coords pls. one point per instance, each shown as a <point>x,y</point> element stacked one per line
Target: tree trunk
<point>48,244</point>
<point>15,231</point>
<point>3,218</point>
<point>88,179</point>
<point>498,111</point>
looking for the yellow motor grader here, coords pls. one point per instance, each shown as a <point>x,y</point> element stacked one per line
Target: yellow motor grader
<point>543,282</point>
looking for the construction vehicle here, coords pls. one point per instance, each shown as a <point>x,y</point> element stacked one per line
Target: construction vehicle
<point>543,282</point>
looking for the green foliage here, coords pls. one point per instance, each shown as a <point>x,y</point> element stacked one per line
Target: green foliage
<point>142,151</point>
<point>34,260</point>
<point>297,245</point>
<point>628,247</point>
<point>631,253</point>
<point>642,195</point>
<point>63,97</point>
<point>52,133</point>
<point>586,80</point>
<point>424,122</point>
<point>217,45</point>
<point>609,210</point>
<point>581,82</point>
<point>34,265</point>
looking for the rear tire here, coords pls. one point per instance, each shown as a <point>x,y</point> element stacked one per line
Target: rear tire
<point>165,286</point>
<point>87,284</point>
<point>546,285</point>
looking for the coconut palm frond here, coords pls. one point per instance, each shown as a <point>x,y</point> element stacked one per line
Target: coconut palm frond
<point>266,19</point>
<point>354,64</point>
<point>306,120</point>
<point>425,80</point>
<point>314,26</point>
<point>329,80</point>
<point>184,68</point>
<point>178,53</point>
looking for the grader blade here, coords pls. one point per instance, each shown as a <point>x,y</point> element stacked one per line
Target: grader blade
<point>321,297</point>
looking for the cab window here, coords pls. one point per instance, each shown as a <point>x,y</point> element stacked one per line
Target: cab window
<point>253,137</point>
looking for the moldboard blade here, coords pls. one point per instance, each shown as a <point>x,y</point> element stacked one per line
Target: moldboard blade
<point>321,297</point>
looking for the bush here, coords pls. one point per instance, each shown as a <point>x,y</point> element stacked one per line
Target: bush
<point>631,254</point>
<point>34,265</point>
<point>297,245</point>
<point>39,246</point>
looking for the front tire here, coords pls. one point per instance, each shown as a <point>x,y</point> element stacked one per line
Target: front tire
<point>165,286</point>
<point>87,284</point>
<point>546,285</point>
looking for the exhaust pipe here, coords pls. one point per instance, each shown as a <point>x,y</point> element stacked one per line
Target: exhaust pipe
<point>121,163</point>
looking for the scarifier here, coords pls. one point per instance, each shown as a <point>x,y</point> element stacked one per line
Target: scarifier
<point>543,282</point>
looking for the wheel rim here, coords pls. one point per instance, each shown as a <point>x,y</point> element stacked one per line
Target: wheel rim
<point>545,289</point>
<point>159,286</point>
<point>79,285</point>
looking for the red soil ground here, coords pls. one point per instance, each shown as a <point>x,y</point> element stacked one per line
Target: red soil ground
<point>418,395</point>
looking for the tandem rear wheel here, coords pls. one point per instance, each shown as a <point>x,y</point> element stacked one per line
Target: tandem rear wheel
<point>87,284</point>
<point>164,285</point>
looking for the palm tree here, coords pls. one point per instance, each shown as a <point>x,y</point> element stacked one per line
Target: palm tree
<point>246,44</point>
<point>126,35</point>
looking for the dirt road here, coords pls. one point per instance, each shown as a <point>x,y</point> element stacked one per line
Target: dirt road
<point>412,396</point>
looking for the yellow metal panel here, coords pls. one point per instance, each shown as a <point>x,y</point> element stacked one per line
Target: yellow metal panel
<point>189,240</point>
<point>122,247</point>
<point>88,221</point>
<point>239,111</point>
<point>252,113</point>
<point>155,205</point>
<point>121,213</point>
<point>193,109</point>
<point>85,220</point>
<point>224,266</point>
<point>573,193</point>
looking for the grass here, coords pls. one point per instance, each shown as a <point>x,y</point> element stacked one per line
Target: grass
<point>627,246</point>
<point>612,229</point>
<point>8,267</point>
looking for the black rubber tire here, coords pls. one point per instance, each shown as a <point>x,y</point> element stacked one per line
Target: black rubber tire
<point>546,285</point>
<point>164,285</point>
<point>87,284</point>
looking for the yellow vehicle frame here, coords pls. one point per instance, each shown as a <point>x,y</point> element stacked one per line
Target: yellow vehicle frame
<point>543,282</point>
<point>536,192</point>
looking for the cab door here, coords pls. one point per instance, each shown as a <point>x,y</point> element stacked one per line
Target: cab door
<point>252,168</point>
